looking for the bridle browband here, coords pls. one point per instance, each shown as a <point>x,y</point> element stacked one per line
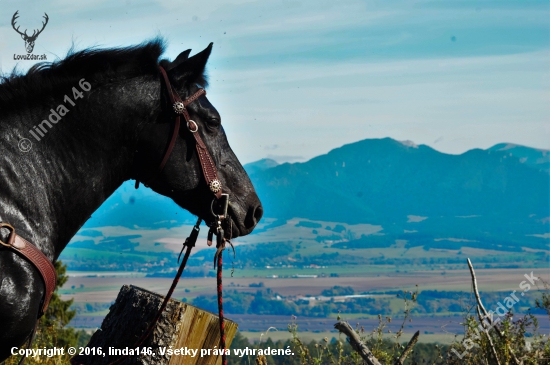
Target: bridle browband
<point>179,108</point>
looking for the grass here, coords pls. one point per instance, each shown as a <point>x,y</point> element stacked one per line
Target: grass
<point>307,336</point>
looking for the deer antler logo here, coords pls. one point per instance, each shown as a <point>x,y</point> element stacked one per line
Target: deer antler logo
<point>29,40</point>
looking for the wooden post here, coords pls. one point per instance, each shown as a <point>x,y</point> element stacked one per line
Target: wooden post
<point>182,326</point>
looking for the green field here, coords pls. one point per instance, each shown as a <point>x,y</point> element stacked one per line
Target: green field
<point>291,259</point>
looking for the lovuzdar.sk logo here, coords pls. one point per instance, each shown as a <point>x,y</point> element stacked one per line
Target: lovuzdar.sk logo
<point>29,39</point>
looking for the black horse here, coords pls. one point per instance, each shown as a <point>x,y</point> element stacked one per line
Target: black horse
<point>70,133</point>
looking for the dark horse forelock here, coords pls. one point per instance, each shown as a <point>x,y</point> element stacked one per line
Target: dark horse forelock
<point>115,132</point>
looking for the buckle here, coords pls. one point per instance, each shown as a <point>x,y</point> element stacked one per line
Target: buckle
<point>11,237</point>
<point>192,126</point>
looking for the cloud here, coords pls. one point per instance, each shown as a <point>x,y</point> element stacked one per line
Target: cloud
<point>285,158</point>
<point>472,101</point>
<point>311,76</point>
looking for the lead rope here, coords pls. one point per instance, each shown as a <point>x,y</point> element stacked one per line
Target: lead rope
<point>218,261</point>
<point>220,245</point>
<point>220,308</point>
<point>217,229</point>
<point>189,243</point>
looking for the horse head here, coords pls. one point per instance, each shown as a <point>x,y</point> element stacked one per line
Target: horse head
<point>103,117</point>
<point>181,178</point>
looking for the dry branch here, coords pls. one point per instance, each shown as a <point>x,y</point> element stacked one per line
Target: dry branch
<point>486,315</point>
<point>493,350</point>
<point>408,349</point>
<point>356,343</point>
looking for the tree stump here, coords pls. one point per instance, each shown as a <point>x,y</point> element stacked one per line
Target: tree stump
<point>181,327</point>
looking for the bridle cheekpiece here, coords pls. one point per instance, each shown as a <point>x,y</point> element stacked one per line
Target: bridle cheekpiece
<point>208,166</point>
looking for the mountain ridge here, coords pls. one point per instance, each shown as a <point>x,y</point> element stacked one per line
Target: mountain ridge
<point>377,181</point>
<point>383,181</point>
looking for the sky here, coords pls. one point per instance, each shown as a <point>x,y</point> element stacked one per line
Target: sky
<point>295,79</point>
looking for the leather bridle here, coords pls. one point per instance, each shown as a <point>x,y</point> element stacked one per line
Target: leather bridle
<point>211,176</point>
<point>179,107</point>
<point>210,173</point>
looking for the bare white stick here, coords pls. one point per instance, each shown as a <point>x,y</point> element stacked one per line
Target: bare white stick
<point>493,350</point>
<point>486,315</point>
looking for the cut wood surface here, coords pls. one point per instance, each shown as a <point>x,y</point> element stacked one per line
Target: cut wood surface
<point>181,326</point>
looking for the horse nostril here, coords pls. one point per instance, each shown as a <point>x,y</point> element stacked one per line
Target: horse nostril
<point>258,212</point>
<point>253,217</point>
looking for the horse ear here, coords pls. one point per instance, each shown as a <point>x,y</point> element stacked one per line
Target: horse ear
<point>192,69</point>
<point>182,57</point>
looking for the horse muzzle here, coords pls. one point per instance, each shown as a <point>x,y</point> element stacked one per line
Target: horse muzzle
<point>234,220</point>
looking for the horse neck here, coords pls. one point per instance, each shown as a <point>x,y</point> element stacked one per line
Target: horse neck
<point>49,192</point>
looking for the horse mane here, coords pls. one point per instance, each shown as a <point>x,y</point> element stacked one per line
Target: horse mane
<point>45,79</point>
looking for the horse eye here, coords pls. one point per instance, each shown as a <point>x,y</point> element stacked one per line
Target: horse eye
<point>214,122</point>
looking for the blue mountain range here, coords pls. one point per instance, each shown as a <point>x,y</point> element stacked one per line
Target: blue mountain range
<point>500,192</point>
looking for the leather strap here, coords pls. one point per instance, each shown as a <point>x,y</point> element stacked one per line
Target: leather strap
<point>23,247</point>
<point>170,146</point>
<point>207,163</point>
<point>208,167</point>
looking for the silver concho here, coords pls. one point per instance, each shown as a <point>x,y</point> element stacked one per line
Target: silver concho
<point>179,107</point>
<point>215,186</point>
